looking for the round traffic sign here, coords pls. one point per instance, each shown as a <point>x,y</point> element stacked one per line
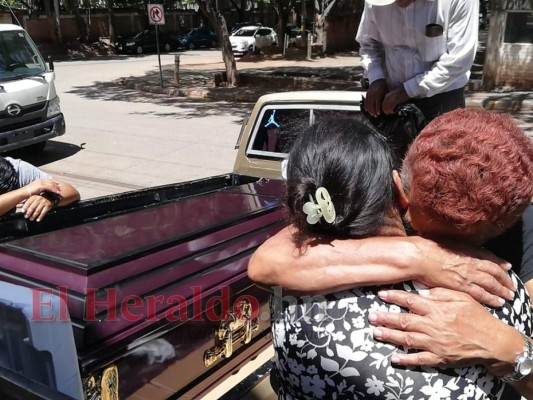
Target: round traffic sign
<point>156,14</point>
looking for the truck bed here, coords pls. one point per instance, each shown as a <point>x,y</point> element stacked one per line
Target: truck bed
<point>14,225</point>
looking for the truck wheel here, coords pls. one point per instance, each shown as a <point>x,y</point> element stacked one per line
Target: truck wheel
<point>139,49</point>
<point>36,148</point>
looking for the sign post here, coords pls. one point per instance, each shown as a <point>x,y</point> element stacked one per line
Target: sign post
<point>156,16</point>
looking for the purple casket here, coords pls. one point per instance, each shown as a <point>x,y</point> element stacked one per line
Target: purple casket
<point>156,289</point>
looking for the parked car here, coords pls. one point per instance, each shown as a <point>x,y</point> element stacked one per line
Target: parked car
<point>252,39</point>
<point>292,30</point>
<point>197,37</point>
<point>144,42</point>
<point>240,25</point>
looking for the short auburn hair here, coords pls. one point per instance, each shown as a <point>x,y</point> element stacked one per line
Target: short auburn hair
<point>470,167</point>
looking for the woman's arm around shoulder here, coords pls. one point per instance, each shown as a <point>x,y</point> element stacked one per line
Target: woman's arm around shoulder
<point>329,266</point>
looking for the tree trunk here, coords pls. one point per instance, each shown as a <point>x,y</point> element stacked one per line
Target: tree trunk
<point>50,22</point>
<point>240,10</point>
<point>57,21</point>
<point>283,9</point>
<point>110,22</point>
<point>219,23</point>
<point>72,7</point>
<point>283,21</point>
<point>81,24</point>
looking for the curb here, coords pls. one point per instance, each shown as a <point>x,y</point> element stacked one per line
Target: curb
<point>239,94</point>
<point>511,102</point>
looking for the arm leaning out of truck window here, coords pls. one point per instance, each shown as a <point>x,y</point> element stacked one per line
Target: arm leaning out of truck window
<point>35,192</point>
<point>327,267</point>
<point>56,194</point>
<point>34,199</point>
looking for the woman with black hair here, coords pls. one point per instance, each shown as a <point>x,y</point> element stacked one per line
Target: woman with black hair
<point>30,190</point>
<point>341,184</point>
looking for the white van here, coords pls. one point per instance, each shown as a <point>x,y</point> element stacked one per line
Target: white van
<point>29,105</point>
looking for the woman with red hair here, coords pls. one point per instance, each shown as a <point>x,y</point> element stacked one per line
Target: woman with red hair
<point>467,175</point>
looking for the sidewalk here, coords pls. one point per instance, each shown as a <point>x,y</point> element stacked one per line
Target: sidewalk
<point>267,75</point>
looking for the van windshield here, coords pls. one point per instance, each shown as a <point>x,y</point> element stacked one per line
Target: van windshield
<point>18,56</point>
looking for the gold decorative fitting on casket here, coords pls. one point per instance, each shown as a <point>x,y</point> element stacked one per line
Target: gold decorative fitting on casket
<point>102,386</point>
<point>231,331</point>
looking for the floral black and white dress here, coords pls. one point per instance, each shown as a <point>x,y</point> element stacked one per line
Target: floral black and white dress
<point>324,349</point>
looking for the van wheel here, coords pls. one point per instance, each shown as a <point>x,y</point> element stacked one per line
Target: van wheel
<point>36,148</point>
<point>139,49</point>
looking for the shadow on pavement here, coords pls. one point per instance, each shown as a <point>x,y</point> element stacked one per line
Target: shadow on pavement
<point>53,151</point>
<point>513,102</point>
<point>194,108</point>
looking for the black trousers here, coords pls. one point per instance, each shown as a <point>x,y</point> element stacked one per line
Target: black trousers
<point>436,105</point>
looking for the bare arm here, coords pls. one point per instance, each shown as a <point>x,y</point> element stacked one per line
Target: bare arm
<point>12,199</point>
<point>326,267</point>
<point>9,200</point>
<point>69,194</point>
<point>36,207</point>
<point>32,204</point>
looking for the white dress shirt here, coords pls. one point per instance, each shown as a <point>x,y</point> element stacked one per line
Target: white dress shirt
<point>394,45</point>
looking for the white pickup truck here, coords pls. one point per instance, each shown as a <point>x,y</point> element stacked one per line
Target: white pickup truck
<point>126,296</point>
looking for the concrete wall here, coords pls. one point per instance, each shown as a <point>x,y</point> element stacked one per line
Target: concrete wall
<point>509,56</point>
<point>341,29</point>
<point>127,23</point>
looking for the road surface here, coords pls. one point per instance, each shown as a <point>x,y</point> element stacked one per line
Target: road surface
<point>119,140</point>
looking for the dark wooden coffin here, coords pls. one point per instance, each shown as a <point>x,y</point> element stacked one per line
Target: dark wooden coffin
<point>155,280</point>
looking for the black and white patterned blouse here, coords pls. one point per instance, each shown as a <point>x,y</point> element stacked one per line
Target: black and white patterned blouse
<point>324,349</point>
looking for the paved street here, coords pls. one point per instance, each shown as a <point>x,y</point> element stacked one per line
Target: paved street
<point>119,139</point>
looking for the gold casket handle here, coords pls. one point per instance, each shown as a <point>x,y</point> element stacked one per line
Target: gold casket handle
<point>231,331</point>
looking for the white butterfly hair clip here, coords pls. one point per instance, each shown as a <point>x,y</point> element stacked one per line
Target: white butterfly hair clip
<point>322,208</point>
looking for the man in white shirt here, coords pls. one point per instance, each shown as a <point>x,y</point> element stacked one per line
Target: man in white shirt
<point>419,51</point>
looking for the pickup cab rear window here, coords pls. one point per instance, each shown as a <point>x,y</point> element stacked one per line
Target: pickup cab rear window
<point>279,125</point>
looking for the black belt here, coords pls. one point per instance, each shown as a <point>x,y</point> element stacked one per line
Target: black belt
<point>440,103</point>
